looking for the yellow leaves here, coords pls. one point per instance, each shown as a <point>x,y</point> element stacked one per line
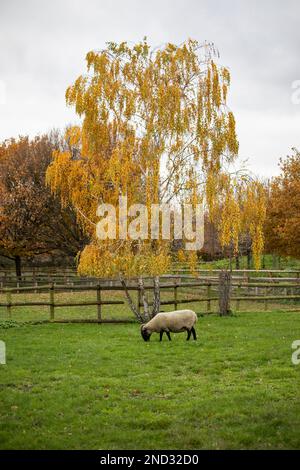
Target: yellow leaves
<point>257,237</point>
<point>153,127</point>
<point>224,90</point>
<point>211,194</point>
<point>55,175</point>
<point>236,207</point>
<point>75,94</point>
<point>101,261</point>
<point>71,96</point>
<point>253,202</point>
<point>122,167</point>
<point>130,105</point>
<point>73,135</point>
<point>90,57</point>
<point>230,226</point>
<point>181,256</point>
<point>192,260</point>
<point>208,96</point>
<point>216,91</point>
<point>98,61</point>
<point>233,145</point>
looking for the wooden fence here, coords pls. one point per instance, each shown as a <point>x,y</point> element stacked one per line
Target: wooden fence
<point>70,277</point>
<point>208,292</point>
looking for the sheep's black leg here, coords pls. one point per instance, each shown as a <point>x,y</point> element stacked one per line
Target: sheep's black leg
<point>194,333</point>
<point>161,335</point>
<point>168,335</point>
<point>189,334</point>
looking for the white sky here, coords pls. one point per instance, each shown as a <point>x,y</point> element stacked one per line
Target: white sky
<point>43,46</point>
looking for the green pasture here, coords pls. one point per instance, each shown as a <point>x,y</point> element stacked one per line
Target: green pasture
<point>90,386</point>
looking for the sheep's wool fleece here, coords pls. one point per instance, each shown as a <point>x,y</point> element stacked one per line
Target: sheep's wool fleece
<point>176,321</point>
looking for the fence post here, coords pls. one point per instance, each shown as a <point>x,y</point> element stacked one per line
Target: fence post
<point>139,299</point>
<point>8,302</point>
<point>208,297</point>
<point>175,295</point>
<point>224,292</point>
<point>99,302</point>
<point>238,301</point>
<point>265,300</point>
<point>51,291</point>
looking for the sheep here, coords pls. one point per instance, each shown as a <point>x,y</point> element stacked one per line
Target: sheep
<point>166,322</point>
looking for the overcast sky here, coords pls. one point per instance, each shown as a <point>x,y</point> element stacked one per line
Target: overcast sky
<point>43,46</point>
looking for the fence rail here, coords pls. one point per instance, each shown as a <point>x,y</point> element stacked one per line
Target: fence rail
<point>203,291</point>
<point>87,282</point>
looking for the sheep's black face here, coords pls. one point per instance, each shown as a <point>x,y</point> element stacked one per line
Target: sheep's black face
<point>145,334</point>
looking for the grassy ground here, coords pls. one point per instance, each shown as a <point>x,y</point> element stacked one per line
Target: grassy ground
<point>267,262</point>
<point>101,387</point>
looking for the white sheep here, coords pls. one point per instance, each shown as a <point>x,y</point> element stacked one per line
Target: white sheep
<point>166,322</point>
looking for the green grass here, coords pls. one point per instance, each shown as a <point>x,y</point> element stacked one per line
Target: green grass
<point>267,262</point>
<point>101,387</point>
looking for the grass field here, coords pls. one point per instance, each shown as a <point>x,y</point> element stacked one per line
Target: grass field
<point>93,386</point>
<point>267,262</point>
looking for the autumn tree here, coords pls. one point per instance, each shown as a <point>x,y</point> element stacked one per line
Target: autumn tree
<point>282,230</point>
<point>32,221</point>
<point>155,127</point>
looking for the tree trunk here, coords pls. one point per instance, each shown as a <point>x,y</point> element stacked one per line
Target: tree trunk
<point>147,315</point>
<point>156,296</point>
<point>224,293</point>
<point>144,299</point>
<point>237,262</point>
<point>249,258</point>
<point>18,266</point>
<point>130,301</point>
